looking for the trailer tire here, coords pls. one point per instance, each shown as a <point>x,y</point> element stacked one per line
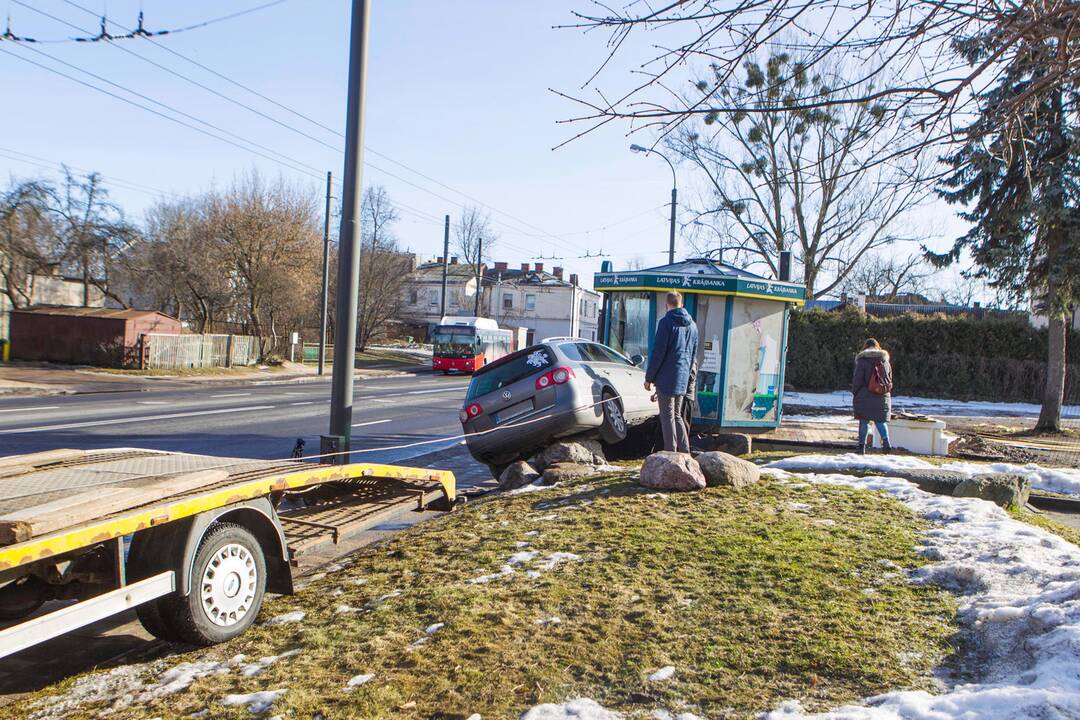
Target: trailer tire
<point>22,597</point>
<point>153,619</point>
<point>228,579</point>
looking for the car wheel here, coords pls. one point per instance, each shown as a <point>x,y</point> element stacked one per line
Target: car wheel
<point>614,428</point>
<point>228,579</point>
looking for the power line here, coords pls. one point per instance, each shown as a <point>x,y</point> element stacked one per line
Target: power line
<point>155,112</point>
<point>175,110</point>
<point>541,231</point>
<point>41,162</point>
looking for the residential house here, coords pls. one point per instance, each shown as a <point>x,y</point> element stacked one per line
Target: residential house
<point>545,303</point>
<point>421,302</point>
<point>50,290</point>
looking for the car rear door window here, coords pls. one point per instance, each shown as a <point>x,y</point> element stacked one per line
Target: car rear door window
<point>517,367</point>
<point>599,353</point>
<point>573,351</point>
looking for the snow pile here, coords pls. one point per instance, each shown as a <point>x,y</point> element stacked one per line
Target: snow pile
<point>665,673</point>
<point>524,558</point>
<point>936,406</point>
<point>257,702</point>
<point>1019,592</point>
<point>256,668</point>
<point>1057,480</point>
<point>534,486</point>
<point>286,618</point>
<point>358,680</point>
<point>576,709</point>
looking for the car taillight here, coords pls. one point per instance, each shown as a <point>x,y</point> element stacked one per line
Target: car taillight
<point>558,376</point>
<point>470,411</point>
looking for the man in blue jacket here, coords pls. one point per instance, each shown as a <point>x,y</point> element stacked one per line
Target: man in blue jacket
<point>672,355</point>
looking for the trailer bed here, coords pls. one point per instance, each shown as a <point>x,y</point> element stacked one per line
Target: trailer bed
<point>61,500</point>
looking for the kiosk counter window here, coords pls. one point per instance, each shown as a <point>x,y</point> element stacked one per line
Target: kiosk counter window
<point>629,329</point>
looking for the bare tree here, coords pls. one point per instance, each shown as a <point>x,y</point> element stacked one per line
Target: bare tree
<point>27,239</point>
<point>383,269</point>
<point>92,231</point>
<point>887,278</point>
<point>472,228</point>
<point>809,181</point>
<point>906,39</point>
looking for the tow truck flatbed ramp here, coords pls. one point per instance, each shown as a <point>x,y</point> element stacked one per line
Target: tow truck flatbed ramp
<point>58,501</point>
<point>190,541</point>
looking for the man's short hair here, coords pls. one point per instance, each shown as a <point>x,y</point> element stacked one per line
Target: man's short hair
<point>674,299</point>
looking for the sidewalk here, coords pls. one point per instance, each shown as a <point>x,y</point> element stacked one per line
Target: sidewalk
<point>37,379</point>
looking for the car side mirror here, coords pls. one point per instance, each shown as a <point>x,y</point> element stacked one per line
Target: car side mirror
<point>638,360</point>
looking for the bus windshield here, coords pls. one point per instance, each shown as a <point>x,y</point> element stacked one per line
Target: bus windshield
<point>454,344</point>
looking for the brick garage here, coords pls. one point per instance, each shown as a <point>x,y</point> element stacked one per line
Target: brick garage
<point>85,336</point>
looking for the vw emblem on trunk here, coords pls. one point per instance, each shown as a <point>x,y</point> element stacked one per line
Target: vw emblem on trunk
<point>506,395</point>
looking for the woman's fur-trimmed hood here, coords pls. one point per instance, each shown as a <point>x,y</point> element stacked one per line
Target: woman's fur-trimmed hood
<point>874,354</point>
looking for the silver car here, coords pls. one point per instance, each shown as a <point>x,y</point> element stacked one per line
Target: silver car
<point>564,386</point>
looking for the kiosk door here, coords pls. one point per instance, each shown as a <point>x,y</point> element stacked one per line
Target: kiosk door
<point>709,315</point>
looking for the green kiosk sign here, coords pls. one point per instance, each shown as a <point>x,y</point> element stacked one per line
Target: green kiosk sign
<point>709,284</point>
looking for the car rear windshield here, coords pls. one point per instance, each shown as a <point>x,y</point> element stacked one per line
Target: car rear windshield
<point>509,370</point>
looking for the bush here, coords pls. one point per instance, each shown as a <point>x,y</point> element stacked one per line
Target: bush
<point>966,358</point>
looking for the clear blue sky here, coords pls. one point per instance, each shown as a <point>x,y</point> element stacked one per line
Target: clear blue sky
<point>457,90</point>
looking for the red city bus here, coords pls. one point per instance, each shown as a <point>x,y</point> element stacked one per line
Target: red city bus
<point>466,344</point>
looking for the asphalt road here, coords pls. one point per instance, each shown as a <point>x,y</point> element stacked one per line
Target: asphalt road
<point>255,421</point>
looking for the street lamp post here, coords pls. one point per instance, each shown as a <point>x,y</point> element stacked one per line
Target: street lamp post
<point>674,197</point>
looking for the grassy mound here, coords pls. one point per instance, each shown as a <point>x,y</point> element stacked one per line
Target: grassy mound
<point>783,590</point>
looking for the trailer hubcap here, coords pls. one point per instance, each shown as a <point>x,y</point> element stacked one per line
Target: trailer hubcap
<point>228,585</point>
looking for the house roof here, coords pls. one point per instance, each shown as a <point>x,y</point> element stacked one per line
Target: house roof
<point>433,271</point>
<point>518,277</point>
<point>107,313</point>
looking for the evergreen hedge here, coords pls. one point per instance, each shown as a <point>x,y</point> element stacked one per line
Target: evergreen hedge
<point>960,357</point>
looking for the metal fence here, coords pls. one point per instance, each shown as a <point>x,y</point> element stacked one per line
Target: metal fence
<point>198,351</point>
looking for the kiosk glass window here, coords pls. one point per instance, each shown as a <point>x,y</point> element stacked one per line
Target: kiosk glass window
<point>709,315</point>
<point>629,331</point>
<point>753,376</point>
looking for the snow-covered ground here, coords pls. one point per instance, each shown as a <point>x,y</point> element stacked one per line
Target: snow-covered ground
<point>1057,480</point>
<point>932,406</point>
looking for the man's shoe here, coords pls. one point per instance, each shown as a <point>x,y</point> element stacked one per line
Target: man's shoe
<point>886,448</point>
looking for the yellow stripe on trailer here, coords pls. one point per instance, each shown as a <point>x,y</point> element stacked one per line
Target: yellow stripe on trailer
<point>98,531</point>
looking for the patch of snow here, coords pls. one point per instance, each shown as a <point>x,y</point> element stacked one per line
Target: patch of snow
<point>842,399</point>
<point>358,680</point>
<point>665,673</point>
<point>483,579</point>
<point>256,668</point>
<point>798,507</point>
<point>552,516</point>
<point>474,716</point>
<point>665,715</point>
<point>434,628</point>
<point>419,642</point>
<point>558,557</point>
<point>342,609</point>
<point>820,419</point>
<point>285,618</point>
<point>383,598</point>
<point>1018,590</point>
<point>534,486</point>
<point>576,709</point>
<point>521,557</point>
<point>257,702</point>
<point>358,581</point>
<point>824,522</point>
<point>531,533</point>
<point>521,544</point>
<point>1049,479</point>
<point>549,621</point>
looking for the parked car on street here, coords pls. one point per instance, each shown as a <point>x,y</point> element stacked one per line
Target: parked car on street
<point>517,405</point>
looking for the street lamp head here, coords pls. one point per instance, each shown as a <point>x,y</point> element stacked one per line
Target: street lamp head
<point>638,149</point>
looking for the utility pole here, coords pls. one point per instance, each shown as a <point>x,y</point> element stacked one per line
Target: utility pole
<point>325,277</point>
<point>341,392</point>
<point>671,241</point>
<point>445,264</point>
<point>479,278</point>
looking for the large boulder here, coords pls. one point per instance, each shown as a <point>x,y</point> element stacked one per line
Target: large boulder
<point>583,451</point>
<point>931,480</point>
<point>564,472</point>
<point>720,468</point>
<point>730,443</point>
<point>519,474</point>
<point>1001,488</point>
<point>672,471</point>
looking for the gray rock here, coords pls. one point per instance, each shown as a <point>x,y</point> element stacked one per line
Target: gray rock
<point>932,480</point>
<point>562,472</point>
<point>1001,488</point>
<point>519,474</point>
<point>671,471</point>
<point>720,468</point>
<point>582,451</point>
<point>731,443</point>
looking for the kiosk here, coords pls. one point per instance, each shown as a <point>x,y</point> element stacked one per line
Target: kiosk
<point>742,325</point>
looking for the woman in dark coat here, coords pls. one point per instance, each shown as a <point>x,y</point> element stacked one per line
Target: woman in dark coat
<point>871,388</point>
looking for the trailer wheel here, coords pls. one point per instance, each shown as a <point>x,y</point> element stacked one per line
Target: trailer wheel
<point>152,616</point>
<point>228,578</point>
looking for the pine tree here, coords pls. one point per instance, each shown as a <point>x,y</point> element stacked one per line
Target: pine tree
<point>1020,184</point>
